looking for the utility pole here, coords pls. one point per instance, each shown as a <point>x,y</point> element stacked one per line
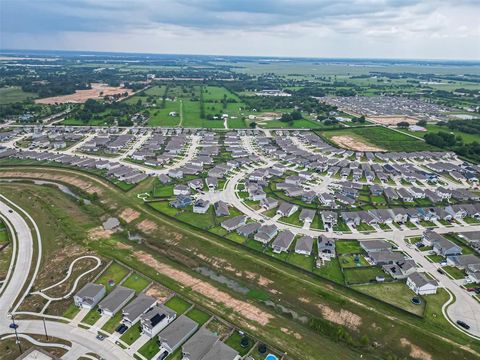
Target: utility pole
<point>45,328</point>
<point>17,340</point>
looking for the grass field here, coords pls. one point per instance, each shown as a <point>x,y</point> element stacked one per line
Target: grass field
<point>234,342</point>
<point>432,128</point>
<point>397,294</point>
<point>132,334</point>
<point>178,305</point>
<point>10,95</point>
<point>136,282</point>
<point>382,137</point>
<point>113,274</point>
<point>199,316</point>
<point>363,275</point>
<point>150,349</point>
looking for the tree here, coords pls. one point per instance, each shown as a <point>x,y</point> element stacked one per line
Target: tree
<point>253,125</point>
<point>422,123</point>
<point>403,124</point>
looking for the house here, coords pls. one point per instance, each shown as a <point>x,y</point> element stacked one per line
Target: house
<point>306,215</point>
<point>234,223</point>
<point>445,248</point>
<point>201,206</point>
<point>222,351</point>
<point>326,248</point>
<point>399,215</point>
<point>327,199</point>
<point>211,182</point>
<point>417,192</point>
<point>174,335</point>
<point>156,319</point>
<point>181,202</point>
<point>199,344</point>
<point>473,273</point>
<point>329,218</point>
<point>132,312</point>
<point>429,237</point>
<point>401,269</point>
<point>421,285</point>
<point>405,195</point>
<point>164,178</point>
<point>384,257</point>
<point>175,173</point>
<point>269,203</point>
<point>89,295</point>
<point>283,241</point>
<point>371,246</point>
<point>221,208</point>
<point>266,233</point>
<point>463,261</point>
<point>196,184</point>
<point>114,301</point>
<point>181,190</point>
<point>249,229</point>
<point>286,209</point>
<point>304,245</point>
<point>351,218</point>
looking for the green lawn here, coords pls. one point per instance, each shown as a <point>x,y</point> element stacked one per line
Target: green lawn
<point>136,282</point>
<point>115,273</point>
<point>305,262</point>
<point>112,323</point>
<point>352,261</point>
<point>71,311</point>
<point>234,342</point>
<point>363,275</point>
<point>92,316</point>
<point>382,137</point>
<point>199,316</point>
<point>163,207</point>
<point>178,305</point>
<point>10,95</point>
<point>132,334</point>
<point>348,247</point>
<point>331,270</point>
<point>454,272</point>
<point>150,348</point>
<point>395,293</point>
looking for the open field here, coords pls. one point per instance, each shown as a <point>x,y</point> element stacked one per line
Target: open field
<point>10,95</point>
<point>379,137</point>
<point>97,91</point>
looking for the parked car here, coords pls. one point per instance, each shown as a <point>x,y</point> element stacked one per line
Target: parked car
<point>472,289</point>
<point>463,324</point>
<point>13,326</point>
<point>440,271</point>
<point>121,328</point>
<point>100,337</point>
<point>163,355</point>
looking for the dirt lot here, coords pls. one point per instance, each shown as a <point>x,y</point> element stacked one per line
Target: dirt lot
<point>128,215</point>
<point>392,120</point>
<point>415,351</point>
<point>80,96</point>
<point>160,293</point>
<point>351,143</point>
<point>342,317</point>
<point>244,308</point>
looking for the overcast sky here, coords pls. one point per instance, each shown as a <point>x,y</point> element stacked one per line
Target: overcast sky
<point>429,29</point>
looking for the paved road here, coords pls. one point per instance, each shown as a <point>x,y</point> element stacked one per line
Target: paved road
<point>82,340</point>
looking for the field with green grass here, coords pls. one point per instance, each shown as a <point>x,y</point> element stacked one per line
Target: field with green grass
<point>10,95</point>
<point>381,137</point>
<point>178,305</point>
<point>112,276</point>
<point>136,282</point>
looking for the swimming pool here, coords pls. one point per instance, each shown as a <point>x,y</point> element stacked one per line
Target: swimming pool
<point>271,357</point>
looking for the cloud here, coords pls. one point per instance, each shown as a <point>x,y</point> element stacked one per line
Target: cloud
<point>265,24</point>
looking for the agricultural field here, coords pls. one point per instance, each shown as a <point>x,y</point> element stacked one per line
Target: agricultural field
<point>10,95</point>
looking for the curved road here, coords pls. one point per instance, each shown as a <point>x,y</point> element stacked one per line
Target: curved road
<point>82,340</point>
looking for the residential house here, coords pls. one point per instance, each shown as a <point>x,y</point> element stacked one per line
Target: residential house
<point>304,245</point>
<point>181,189</point>
<point>445,248</point>
<point>181,202</point>
<point>174,335</point>
<point>248,230</point>
<point>326,248</point>
<point>329,219</point>
<point>199,344</point>
<point>89,295</point>
<point>283,241</point>
<point>463,261</point>
<point>221,208</point>
<point>234,223</point>
<point>114,301</point>
<point>401,269</point>
<point>306,215</point>
<point>156,319</point>
<point>132,312</point>
<point>371,246</point>
<point>266,233</point>
<point>286,209</point>
<point>421,285</point>
<point>269,203</point>
<point>201,206</point>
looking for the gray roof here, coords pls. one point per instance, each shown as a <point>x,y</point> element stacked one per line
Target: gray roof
<point>375,245</point>
<point>421,280</point>
<point>305,244</point>
<point>90,290</point>
<point>283,240</point>
<point>220,351</point>
<point>199,344</point>
<point>148,318</point>
<point>177,331</point>
<point>306,213</point>
<point>138,306</point>
<point>248,229</point>
<point>116,298</point>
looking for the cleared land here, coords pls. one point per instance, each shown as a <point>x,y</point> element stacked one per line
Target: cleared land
<point>97,91</point>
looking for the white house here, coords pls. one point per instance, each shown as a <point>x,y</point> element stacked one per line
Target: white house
<point>421,285</point>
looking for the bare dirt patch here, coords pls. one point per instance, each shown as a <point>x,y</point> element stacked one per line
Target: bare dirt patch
<point>99,232</point>
<point>158,292</point>
<point>415,351</point>
<point>244,308</point>
<point>80,96</point>
<point>128,215</point>
<point>352,143</point>
<point>342,317</point>
<point>67,179</point>
<point>292,333</point>
<point>392,120</point>
<point>147,226</point>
